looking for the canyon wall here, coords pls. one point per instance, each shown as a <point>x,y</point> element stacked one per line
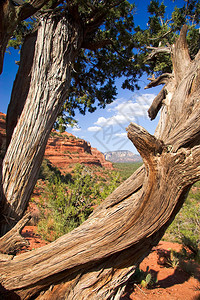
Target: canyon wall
<point>63,150</point>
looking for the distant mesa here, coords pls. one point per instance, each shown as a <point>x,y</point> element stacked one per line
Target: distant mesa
<point>122,156</point>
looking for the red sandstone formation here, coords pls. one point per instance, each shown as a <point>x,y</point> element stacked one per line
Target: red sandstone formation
<point>63,150</point>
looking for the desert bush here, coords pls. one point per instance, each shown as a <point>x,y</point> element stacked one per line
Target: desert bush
<point>50,173</point>
<point>126,169</point>
<point>185,228</point>
<point>67,202</point>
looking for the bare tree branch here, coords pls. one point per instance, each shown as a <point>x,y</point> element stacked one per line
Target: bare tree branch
<point>157,51</point>
<point>180,55</point>
<point>146,144</point>
<point>13,241</point>
<point>156,105</point>
<point>161,37</point>
<point>162,79</point>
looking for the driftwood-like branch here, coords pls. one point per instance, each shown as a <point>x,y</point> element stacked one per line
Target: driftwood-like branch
<point>162,79</point>
<point>156,104</point>
<point>157,50</point>
<point>146,144</point>
<point>180,55</point>
<point>158,101</point>
<point>12,241</point>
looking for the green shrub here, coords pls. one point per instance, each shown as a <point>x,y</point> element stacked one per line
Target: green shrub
<point>185,229</point>
<point>126,169</point>
<point>67,202</point>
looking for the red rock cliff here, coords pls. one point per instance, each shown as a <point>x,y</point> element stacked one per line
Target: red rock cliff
<point>64,150</point>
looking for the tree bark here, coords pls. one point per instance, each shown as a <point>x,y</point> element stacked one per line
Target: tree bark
<point>10,17</point>
<point>21,85</point>
<point>58,41</point>
<point>7,13</point>
<point>96,260</point>
<point>12,241</point>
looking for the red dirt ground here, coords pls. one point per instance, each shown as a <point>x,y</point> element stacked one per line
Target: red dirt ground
<point>173,283</point>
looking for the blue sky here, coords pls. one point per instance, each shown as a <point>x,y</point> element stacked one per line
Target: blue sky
<point>105,129</point>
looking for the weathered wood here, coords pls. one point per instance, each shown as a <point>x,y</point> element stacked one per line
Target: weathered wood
<point>10,17</point>
<point>21,85</point>
<point>49,84</point>
<point>7,13</point>
<point>156,105</point>
<point>12,241</point>
<point>95,260</point>
<point>180,56</point>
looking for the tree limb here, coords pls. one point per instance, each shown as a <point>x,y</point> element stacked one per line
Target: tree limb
<point>147,145</point>
<point>156,105</point>
<point>180,55</point>
<point>157,51</point>
<point>28,9</point>
<point>12,241</point>
<point>161,37</point>
<point>162,79</point>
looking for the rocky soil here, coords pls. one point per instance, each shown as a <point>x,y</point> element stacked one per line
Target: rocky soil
<point>173,283</point>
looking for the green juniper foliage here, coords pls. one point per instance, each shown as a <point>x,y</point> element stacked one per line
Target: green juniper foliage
<point>162,31</point>
<point>67,201</point>
<point>115,47</point>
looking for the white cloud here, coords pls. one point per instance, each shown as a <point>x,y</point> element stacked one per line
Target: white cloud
<point>94,128</point>
<point>111,107</point>
<point>125,111</point>
<point>116,119</point>
<point>136,107</point>
<point>101,121</point>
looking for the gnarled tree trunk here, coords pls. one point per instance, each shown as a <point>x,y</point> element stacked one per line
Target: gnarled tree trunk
<point>95,260</point>
<point>58,41</point>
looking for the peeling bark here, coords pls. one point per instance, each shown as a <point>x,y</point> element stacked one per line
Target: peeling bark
<point>21,85</point>
<point>49,84</point>
<point>96,260</point>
